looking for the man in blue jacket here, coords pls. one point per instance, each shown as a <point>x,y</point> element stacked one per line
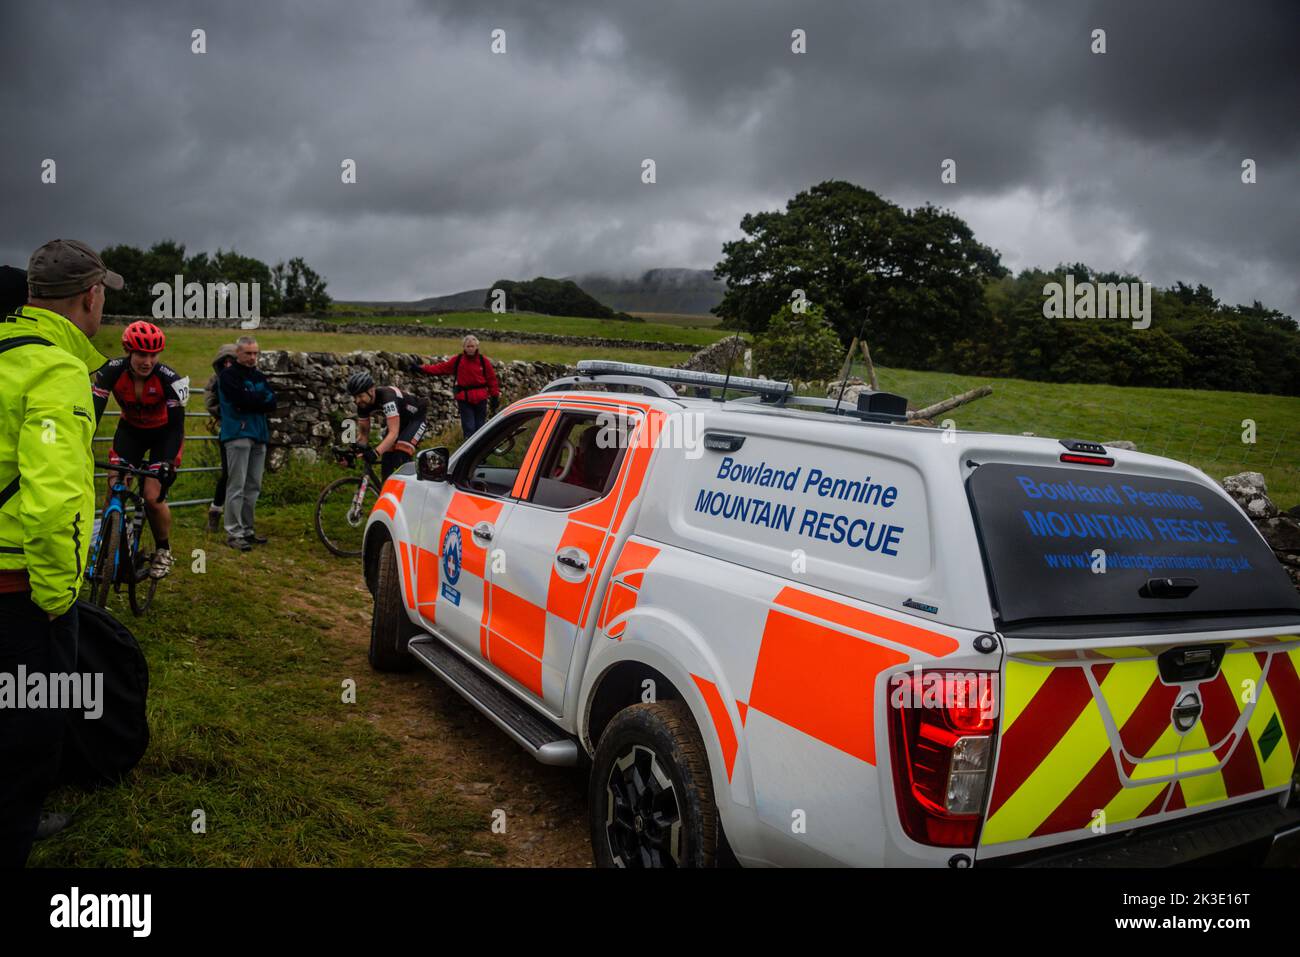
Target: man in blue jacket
<point>246,397</point>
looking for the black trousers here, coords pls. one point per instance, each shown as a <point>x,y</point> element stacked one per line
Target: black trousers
<point>31,739</point>
<point>391,461</point>
<point>472,415</point>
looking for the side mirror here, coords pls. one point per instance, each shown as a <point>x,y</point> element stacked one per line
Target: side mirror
<point>431,465</point>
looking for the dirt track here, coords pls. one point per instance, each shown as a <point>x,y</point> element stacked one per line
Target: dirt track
<point>545,807</point>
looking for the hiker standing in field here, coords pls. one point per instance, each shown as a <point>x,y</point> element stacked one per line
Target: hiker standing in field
<point>212,401</point>
<point>475,384</point>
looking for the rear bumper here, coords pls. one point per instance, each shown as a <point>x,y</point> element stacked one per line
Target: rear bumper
<point>1258,833</point>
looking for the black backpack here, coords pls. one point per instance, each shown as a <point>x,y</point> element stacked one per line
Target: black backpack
<point>104,750</point>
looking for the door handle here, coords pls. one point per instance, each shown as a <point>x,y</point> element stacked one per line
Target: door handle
<point>484,531</point>
<point>577,562</point>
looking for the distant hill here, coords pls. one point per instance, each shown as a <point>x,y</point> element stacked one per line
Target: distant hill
<point>552,297</point>
<point>691,291</point>
<point>685,291</point>
<point>456,302</point>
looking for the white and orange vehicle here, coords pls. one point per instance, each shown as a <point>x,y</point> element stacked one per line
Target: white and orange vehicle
<point>791,632</point>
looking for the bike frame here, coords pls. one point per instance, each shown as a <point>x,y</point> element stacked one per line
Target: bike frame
<point>120,494</point>
<point>368,478</point>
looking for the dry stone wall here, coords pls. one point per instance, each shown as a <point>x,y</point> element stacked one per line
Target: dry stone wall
<point>313,403</point>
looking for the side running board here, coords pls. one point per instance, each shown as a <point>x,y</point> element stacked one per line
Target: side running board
<point>548,743</point>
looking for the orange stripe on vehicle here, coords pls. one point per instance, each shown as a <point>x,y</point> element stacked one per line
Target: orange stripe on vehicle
<point>518,664</point>
<point>394,487</point>
<point>821,681</point>
<point>468,509</point>
<point>426,578</point>
<point>622,595</point>
<point>743,709</point>
<point>518,620</point>
<point>900,632</point>
<point>524,479</point>
<point>565,598</point>
<point>721,721</point>
<point>406,575</point>
<point>620,599</point>
<point>634,556</point>
<point>386,506</point>
<point>642,453</point>
<point>605,550</point>
<point>483,641</point>
<point>613,403</point>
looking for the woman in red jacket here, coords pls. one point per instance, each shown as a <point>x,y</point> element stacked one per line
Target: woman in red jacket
<point>475,384</point>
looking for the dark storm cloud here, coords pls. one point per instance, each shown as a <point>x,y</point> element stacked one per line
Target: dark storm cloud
<point>473,166</point>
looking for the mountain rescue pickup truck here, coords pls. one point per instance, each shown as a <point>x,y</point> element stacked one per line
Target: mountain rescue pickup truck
<point>790,631</point>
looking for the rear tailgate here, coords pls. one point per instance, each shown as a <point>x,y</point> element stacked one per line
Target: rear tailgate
<point>1124,704</point>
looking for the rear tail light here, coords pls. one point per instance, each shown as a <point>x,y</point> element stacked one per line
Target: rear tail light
<point>941,727</point>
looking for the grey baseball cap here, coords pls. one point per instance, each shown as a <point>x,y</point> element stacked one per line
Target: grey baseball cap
<point>65,267</point>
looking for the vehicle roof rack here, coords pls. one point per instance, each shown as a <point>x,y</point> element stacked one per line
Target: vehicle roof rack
<point>659,380</point>
<point>869,407</point>
<point>652,386</point>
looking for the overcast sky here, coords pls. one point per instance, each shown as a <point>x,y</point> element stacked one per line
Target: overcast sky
<point>474,166</point>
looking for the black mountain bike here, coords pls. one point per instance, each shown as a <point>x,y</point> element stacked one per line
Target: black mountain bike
<point>345,504</point>
<point>116,558</point>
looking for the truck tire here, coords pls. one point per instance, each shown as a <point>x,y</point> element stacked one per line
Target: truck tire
<point>651,796</point>
<point>390,629</point>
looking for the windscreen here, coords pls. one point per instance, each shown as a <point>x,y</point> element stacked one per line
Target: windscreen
<point>1075,543</point>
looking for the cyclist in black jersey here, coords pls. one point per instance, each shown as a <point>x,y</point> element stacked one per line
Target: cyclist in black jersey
<point>404,418</point>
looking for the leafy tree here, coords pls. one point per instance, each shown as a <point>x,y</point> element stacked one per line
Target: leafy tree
<point>799,346</point>
<point>300,288</point>
<point>918,273</point>
<point>1220,357</point>
<point>165,260</point>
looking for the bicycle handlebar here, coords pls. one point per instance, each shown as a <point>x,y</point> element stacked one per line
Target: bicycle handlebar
<point>128,469</point>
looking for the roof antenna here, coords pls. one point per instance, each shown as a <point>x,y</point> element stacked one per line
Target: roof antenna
<point>735,351</point>
<point>848,363</point>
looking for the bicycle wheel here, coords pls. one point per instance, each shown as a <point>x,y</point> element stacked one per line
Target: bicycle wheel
<point>140,587</point>
<point>107,551</point>
<point>341,513</point>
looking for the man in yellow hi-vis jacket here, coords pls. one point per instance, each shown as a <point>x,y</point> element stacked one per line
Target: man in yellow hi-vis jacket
<point>47,514</point>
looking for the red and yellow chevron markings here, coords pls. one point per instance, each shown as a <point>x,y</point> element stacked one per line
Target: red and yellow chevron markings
<point>1091,736</point>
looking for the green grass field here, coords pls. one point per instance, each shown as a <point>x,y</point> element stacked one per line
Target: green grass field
<point>665,329</point>
<point>688,319</point>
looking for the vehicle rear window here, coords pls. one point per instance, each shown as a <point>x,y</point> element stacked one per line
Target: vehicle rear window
<point>1046,533</point>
